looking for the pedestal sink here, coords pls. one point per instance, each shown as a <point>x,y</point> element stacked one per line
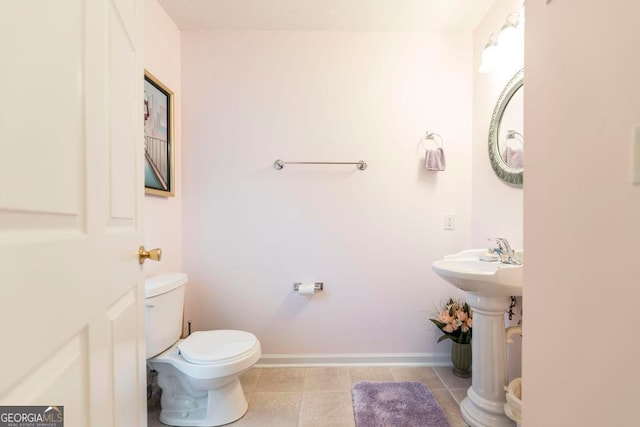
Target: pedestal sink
<point>489,286</point>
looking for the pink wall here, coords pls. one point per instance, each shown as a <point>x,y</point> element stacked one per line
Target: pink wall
<point>162,215</point>
<point>250,231</point>
<point>582,215</point>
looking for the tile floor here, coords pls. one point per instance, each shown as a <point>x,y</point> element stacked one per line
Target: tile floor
<point>283,397</point>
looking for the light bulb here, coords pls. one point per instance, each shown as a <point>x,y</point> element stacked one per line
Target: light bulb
<point>489,58</point>
<point>511,39</point>
<point>490,55</point>
<point>508,36</point>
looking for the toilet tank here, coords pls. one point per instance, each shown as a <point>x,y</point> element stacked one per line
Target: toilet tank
<point>164,303</point>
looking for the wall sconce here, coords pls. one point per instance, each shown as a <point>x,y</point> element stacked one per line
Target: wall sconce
<point>504,44</point>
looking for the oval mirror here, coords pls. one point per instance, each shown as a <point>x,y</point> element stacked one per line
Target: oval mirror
<point>506,137</point>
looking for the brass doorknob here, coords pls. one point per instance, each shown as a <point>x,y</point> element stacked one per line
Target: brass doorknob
<point>143,254</point>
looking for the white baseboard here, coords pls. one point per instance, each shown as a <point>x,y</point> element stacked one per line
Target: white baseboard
<point>355,359</point>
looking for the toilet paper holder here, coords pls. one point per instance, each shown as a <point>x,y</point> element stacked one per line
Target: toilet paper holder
<point>317,286</point>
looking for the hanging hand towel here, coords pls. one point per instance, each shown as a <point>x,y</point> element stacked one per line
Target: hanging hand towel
<point>434,160</point>
<point>513,155</point>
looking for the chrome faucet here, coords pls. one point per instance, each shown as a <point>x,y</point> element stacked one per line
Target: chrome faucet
<point>504,251</point>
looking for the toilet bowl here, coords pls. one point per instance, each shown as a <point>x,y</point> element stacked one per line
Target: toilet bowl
<point>199,374</point>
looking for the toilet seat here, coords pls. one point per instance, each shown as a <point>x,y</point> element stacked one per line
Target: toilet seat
<point>217,347</point>
<point>226,360</point>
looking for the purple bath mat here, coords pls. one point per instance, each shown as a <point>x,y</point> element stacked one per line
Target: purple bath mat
<point>404,404</point>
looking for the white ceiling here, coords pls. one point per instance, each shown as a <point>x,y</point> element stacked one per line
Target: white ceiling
<point>327,15</point>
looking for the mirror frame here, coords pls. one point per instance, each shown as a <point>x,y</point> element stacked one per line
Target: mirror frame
<point>504,171</point>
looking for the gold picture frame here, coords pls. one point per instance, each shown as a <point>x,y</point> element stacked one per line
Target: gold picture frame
<point>158,138</point>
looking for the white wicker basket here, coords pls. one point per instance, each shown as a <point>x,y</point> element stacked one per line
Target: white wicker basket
<point>513,407</point>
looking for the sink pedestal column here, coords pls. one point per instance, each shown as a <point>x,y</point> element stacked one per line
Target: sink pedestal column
<point>484,404</point>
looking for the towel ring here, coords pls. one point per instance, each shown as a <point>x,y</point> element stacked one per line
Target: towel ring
<point>431,136</point>
<point>511,134</point>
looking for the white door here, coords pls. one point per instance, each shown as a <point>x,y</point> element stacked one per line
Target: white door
<point>71,289</point>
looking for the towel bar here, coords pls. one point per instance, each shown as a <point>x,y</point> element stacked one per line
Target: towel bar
<point>279,164</point>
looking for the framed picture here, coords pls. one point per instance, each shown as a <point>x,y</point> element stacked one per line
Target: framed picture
<point>158,137</point>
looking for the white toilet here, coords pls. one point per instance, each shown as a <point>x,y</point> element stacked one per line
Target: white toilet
<point>199,374</point>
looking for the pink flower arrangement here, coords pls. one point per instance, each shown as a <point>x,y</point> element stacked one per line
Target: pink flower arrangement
<point>455,321</point>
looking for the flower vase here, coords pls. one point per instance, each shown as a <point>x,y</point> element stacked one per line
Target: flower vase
<point>461,359</point>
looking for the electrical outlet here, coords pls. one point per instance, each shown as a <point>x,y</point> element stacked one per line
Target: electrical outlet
<point>449,223</point>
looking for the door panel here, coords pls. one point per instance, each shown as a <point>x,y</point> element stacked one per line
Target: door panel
<point>71,188</point>
<point>61,378</point>
<point>124,356</point>
<point>42,107</point>
<point>124,121</point>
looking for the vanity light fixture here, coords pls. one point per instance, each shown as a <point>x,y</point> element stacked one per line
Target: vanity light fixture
<point>490,54</point>
<point>504,44</point>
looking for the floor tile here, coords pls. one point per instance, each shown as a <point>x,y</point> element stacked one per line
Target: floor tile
<point>375,373</point>
<point>281,379</point>
<point>271,409</point>
<point>249,380</point>
<point>326,408</point>
<point>450,407</point>
<point>327,379</point>
<point>451,381</point>
<point>423,374</point>
<point>459,394</point>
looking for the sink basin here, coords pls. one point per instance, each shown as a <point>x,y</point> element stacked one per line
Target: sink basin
<point>465,271</point>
